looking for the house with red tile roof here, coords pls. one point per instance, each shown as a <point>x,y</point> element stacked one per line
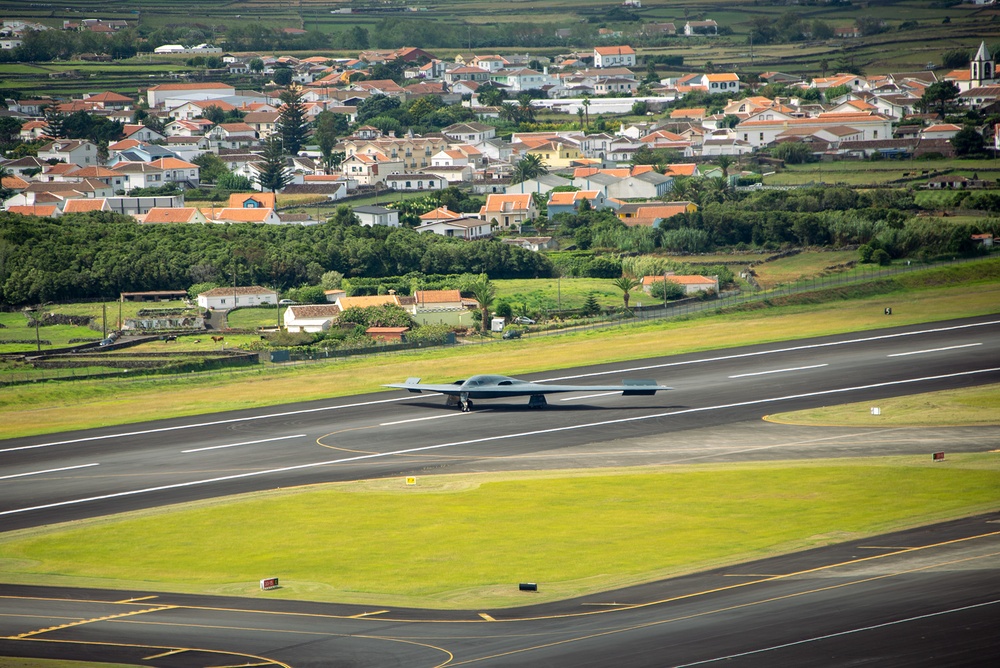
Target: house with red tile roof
<point>86,205</point>
<point>614,56</point>
<point>692,284</point>
<point>164,215</point>
<point>508,211</point>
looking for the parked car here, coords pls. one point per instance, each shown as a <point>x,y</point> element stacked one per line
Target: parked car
<point>511,333</point>
<point>524,320</point>
<point>287,302</point>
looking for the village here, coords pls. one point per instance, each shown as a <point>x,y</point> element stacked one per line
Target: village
<point>837,117</point>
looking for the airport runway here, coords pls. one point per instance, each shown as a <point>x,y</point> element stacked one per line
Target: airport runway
<point>829,607</point>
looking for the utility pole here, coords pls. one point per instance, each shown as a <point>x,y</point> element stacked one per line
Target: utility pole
<point>104,320</point>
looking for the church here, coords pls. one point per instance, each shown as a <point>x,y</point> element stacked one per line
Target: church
<point>982,72</point>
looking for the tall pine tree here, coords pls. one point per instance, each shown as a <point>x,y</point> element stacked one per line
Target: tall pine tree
<point>292,124</point>
<point>273,173</point>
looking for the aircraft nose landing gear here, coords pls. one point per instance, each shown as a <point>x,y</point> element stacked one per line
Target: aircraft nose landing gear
<point>466,403</point>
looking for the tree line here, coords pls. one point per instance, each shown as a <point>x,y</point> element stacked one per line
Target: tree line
<point>97,255</point>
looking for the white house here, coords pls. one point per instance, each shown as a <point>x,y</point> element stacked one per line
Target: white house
<point>458,228</point>
<point>225,299</point>
<point>74,151</point>
<point>311,318</point>
<point>411,182</point>
<point>614,56</point>
<point>377,215</point>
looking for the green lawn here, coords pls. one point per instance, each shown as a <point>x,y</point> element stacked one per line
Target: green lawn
<point>975,406</point>
<point>465,541</point>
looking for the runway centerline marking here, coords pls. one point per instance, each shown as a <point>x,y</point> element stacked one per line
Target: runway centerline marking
<point>591,396</point>
<point>935,350</point>
<point>486,439</point>
<point>764,373</point>
<point>376,402</point>
<point>236,445</point>
<point>421,419</point>
<point>63,468</point>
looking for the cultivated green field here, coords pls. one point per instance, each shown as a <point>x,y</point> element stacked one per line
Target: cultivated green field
<point>465,541</point>
<point>855,173</point>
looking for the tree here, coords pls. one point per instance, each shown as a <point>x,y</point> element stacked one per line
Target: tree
<point>939,95</point>
<point>256,65</point>
<point>626,284</point>
<point>955,59</point>
<point>725,162</point>
<point>489,95</point>
<point>272,172</point>
<point>484,292</point>
<point>967,141</point>
<point>292,126</point>
<point>211,167</point>
<point>528,167</point>
<point>55,123</point>
<point>590,305</point>
<point>282,76</point>
<point>666,290</point>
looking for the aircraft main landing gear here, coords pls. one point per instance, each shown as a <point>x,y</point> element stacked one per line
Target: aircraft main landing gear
<point>537,401</point>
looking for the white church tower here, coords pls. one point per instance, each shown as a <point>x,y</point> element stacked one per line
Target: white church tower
<point>982,68</point>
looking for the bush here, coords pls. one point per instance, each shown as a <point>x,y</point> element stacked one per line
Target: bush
<point>881,258</point>
<point>667,290</point>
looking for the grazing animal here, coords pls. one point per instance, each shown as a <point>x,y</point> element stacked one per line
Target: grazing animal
<point>218,339</point>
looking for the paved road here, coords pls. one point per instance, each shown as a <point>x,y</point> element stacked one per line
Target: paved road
<point>713,415</point>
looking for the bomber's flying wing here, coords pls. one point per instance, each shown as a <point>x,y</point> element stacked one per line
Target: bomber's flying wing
<point>496,387</point>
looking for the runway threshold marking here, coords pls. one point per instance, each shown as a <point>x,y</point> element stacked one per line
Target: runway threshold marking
<point>81,622</point>
<point>935,350</point>
<point>764,373</point>
<point>487,439</point>
<point>305,411</point>
<point>236,445</point>
<point>838,634</point>
<point>63,468</point>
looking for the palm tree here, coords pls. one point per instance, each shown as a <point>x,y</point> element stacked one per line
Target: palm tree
<point>528,167</point>
<point>484,292</point>
<point>525,112</point>
<point>626,284</point>
<point>508,112</point>
<point>579,115</point>
<point>725,162</point>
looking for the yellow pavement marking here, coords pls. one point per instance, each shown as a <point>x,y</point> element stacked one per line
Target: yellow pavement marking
<point>81,622</point>
<point>94,643</point>
<point>486,617</point>
<point>163,654</point>
<point>881,547</point>
<point>361,615</point>
<point>750,575</point>
<point>726,609</point>
<point>136,600</point>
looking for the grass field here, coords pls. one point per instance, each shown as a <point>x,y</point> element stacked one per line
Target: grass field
<point>977,406</point>
<point>465,541</point>
<point>939,294</point>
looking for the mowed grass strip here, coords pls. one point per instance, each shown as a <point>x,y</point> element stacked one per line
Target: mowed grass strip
<point>466,541</point>
<point>970,407</point>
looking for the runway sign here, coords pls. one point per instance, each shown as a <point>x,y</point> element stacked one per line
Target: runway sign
<point>411,481</point>
<point>876,410</point>
<point>269,583</point>
<point>528,586</point>
<point>939,456</point>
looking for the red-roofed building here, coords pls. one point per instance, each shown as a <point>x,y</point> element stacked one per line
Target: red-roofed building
<point>614,56</point>
<point>508,211</point>
<point>183,214</point>
<point>691,284</point>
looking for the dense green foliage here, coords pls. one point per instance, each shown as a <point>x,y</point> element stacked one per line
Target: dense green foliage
<point>98,255</point>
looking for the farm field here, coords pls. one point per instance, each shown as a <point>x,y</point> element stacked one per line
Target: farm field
<point>433,532</point>
<point>910,172</point>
